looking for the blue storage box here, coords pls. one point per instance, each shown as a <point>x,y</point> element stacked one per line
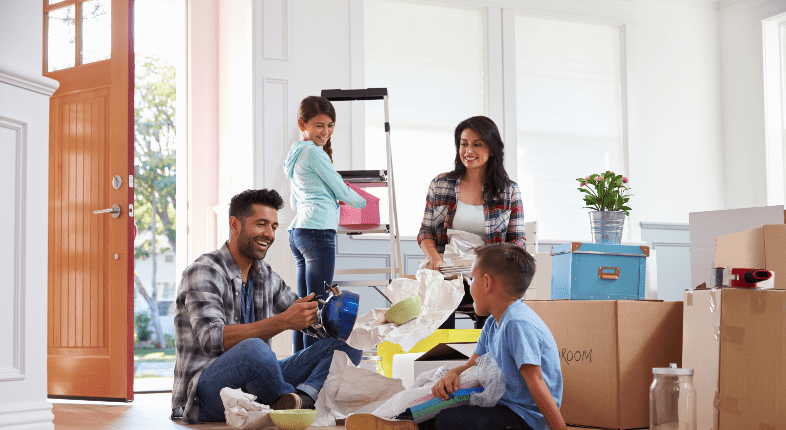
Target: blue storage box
<point>597,271</point>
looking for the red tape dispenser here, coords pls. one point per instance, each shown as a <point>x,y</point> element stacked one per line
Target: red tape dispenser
<point>748,278</point>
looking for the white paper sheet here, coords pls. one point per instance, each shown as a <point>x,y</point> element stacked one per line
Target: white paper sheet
<point>242,412</point>
<point>350,389</point>
<point>438,296</point>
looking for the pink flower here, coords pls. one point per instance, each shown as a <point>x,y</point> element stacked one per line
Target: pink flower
<point>624,180</point>
<point>611,172</point>
<point>587,178</point>
<point>599,178</point>
<point>582,184</point>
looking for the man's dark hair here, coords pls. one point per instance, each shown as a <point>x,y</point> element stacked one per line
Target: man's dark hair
<point>510,263</point>
<point>241,205</point>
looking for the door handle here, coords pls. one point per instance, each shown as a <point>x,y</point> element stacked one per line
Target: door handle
<point>114,210</point>
<point>614,274</point>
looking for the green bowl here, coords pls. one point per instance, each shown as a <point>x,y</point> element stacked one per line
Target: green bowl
<point>404,310</point>
<point>293,419</point>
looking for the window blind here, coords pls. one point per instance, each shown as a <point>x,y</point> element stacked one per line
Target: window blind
<point>569,118</point>
<point>432,60</point>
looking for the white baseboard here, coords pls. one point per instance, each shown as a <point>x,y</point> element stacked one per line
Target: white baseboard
<point>27,416</point>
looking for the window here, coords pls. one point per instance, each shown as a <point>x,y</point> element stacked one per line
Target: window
<point>569,118</point>
<point>774,44</point>
<point>431,58</point>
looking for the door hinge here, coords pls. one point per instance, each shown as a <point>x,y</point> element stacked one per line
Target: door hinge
<point>131,210</point>
<point>130,181</point>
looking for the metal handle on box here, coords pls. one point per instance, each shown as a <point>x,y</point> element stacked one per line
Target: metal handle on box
<point>602,274</point>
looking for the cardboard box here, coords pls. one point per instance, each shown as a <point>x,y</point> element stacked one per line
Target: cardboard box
<point>368,216</point>
<point>705,227</point>
<point>607,352</point>
<point>734,339</point>
<point>407,367</point>
<point>759,248</point>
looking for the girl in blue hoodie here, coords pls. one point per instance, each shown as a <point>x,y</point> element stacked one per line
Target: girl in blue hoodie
<point>316,190</point>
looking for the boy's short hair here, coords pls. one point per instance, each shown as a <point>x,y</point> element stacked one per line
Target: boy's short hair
<point>241,205</point>
<point>510,263</point>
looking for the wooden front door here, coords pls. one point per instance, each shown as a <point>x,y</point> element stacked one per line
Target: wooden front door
<point>88,48</point>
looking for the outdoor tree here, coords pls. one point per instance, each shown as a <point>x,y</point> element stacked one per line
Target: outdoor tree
<point>154,169</point>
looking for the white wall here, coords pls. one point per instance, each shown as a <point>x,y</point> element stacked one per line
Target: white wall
<point>21,43</point>
<point>743,100</point>
<point>201,133</point>
<point>235,99</point>
<point>679,157</point>
<point>24,137</point>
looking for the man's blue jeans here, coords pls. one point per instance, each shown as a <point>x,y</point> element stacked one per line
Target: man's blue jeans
<point>252,366</point>
<point>315,254</point>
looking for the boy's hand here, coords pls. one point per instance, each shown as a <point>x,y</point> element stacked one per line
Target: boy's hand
<point>302,313</point>
<point>446,386</point>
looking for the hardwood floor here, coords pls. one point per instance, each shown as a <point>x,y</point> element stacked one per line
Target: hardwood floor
<point>146,412</point>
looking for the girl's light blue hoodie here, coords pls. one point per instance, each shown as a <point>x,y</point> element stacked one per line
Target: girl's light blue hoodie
<point>316,188</point>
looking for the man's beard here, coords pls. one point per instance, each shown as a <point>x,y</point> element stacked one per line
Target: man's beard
<point>248,245</point>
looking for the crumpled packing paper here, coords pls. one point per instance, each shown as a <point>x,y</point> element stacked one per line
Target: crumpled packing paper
<point>459,253</point>
<point>460,250</point>
<point>349,389</point>
<point>439,299</point>
<point>242,412</point>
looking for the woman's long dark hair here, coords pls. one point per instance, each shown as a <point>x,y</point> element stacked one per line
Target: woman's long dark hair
<point>496,178</point>
<point>312,106</point>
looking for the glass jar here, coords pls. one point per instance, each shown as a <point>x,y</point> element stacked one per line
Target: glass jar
<point>372,362</point>
<point>672,399</point>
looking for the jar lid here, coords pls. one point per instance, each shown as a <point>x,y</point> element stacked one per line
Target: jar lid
<point>671,370</point>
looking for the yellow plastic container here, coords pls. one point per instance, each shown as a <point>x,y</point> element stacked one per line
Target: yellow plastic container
<point>387,350</point>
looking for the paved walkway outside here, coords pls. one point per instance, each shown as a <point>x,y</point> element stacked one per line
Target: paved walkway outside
<point>154,376</point>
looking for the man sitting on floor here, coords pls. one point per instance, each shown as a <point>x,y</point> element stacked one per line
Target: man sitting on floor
<point>229,306</point>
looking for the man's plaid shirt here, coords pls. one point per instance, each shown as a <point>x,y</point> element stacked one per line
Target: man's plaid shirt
<point>207,300</point>
<point>504,218</point>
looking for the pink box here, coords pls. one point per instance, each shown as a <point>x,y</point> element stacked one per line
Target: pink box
<point>368,216</point>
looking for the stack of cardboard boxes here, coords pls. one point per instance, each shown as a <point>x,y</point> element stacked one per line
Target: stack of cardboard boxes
<point>735,338</point>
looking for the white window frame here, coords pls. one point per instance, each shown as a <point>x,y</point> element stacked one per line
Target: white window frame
<point>774,52</point>
<point>500,17</point>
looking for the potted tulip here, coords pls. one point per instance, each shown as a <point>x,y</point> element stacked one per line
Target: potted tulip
<point>606,194</point>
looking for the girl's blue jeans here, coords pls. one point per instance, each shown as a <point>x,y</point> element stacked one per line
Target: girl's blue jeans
<point>252,366</point>
<point>315,254</point>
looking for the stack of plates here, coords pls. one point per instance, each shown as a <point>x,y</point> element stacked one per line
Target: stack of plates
<point>452,272</point>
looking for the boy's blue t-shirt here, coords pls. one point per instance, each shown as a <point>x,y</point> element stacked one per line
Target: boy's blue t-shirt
<point>521,338</point>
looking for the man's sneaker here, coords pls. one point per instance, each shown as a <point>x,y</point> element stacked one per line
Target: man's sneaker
<point>306,402</point>
<point>287,401</point>
<point>372,422</point>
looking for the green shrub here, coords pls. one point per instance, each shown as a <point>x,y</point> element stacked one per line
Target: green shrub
<point>169,340</point>
<point>141,322</point>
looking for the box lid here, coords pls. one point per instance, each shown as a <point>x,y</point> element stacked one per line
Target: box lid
<point>449,351</point>
<point>601,248</point>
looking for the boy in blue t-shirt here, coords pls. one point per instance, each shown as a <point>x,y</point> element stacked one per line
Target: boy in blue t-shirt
<point>520,343</point>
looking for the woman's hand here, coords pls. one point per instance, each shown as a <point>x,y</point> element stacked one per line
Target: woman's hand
<point>429,248</point>
<point>433,264</point>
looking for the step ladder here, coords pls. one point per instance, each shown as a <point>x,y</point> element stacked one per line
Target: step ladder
<point>368,179</point>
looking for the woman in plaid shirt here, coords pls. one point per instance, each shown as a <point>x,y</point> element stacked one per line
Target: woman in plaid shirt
<point>477,196</point>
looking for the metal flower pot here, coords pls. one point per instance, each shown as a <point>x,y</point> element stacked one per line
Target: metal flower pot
<point>606,226</point>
